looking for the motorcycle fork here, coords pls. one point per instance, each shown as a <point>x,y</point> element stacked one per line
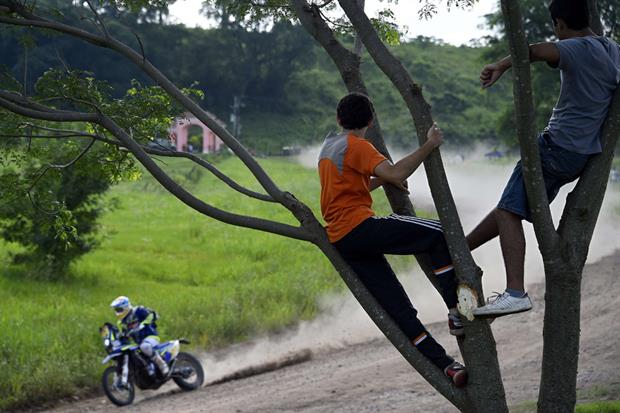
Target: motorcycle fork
<point>125,370</point>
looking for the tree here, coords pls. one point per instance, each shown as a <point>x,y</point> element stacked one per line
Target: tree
<point>564,250</point>
<point>50,201</point>
<point>485,392</point>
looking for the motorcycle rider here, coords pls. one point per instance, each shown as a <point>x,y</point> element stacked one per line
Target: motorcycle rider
<point>138,323</point>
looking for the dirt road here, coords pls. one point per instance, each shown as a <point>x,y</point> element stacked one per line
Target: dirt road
<point>373,377</point>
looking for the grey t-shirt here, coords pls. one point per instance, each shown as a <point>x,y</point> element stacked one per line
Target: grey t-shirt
<point>589,72</point>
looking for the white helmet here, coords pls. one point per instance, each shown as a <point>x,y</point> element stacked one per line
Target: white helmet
<point>122,306</point>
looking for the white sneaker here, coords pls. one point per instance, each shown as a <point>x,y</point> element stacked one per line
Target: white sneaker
<point>503,304</point>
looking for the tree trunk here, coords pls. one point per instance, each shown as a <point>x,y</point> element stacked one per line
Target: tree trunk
<point>485,387</point>
<point>563,275</point>
<point>558,379</point>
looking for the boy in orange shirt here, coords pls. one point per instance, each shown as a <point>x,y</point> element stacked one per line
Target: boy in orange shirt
<point>349,168</point>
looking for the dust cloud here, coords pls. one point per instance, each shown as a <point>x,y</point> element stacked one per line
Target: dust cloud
<point>476,184</point>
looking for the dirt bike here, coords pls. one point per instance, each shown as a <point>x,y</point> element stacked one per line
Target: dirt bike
<point>133,369</point>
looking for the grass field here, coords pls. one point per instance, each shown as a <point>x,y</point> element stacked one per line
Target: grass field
<point>210,282</point>
<point>608,406</point>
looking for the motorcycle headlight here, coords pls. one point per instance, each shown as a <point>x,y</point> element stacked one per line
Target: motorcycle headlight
<point>106,342</point>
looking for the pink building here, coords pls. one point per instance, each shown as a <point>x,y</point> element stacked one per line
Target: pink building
<point>180,133</point>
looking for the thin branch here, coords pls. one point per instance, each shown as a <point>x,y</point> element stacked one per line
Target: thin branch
<point>77,158</point>
<point>266,6</point>
<point>60,116</point>
<point>141,45</point>
<point>98,18</point>
<point>524,108</point>
<point>72,99</point>
<point>39,208</point>
<point>41,173</point>
<point>62,61</point>
<point>67,133</point>
<point>211,168</point>
<point>327,19</point>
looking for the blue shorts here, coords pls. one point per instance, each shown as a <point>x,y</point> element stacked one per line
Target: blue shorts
<point>559,166</point>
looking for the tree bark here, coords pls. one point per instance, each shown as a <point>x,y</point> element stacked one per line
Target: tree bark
<point>563,280</point>
<point>485,387</point>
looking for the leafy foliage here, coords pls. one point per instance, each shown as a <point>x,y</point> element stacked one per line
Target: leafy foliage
<point>52,188</point>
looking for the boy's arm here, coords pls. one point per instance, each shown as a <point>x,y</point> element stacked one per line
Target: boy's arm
<point>375,183</point>
<point>539,52</point>
<point>396,174</point>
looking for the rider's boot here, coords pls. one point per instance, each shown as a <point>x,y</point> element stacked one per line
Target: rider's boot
<point>161,364</point>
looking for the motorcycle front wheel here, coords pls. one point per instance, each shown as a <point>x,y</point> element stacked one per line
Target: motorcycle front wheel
<point>120,396</point>
<point>187,372</point>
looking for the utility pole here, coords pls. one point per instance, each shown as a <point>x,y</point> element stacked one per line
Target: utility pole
<point>235,116</point>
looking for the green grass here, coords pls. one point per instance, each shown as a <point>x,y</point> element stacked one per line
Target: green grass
<point>592,399</point>
<point>609,406</point>
<point>210,282</point>
<point>599,407</point>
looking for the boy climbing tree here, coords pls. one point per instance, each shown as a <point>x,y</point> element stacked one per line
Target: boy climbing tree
<point>349,168</point>
<point>589,74</point>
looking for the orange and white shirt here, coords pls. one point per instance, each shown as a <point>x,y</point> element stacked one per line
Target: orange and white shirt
<point>346,163</point>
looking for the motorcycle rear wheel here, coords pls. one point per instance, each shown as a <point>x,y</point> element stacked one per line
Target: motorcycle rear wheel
<point>186,363</point>
<point>118,396</point>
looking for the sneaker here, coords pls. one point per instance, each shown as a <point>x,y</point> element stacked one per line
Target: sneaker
<point>455,325</point>
<point>503,304</point>
<point>457,372</point>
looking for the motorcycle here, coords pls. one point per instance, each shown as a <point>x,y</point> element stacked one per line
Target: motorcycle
<point>133,369</point>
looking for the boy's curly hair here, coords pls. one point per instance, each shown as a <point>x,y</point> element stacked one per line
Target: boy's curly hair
<point>355,111</point>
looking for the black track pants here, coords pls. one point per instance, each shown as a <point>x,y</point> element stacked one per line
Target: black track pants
<point>364,247</point>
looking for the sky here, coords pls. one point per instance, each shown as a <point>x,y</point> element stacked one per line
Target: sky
<point>456,26</point>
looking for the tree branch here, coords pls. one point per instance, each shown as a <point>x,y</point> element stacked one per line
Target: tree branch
<point>583,204</point>
<point>31,20</point>
<point>172,187</point>
<point>390,329</point>
<point>46,115</point>
<point>524,109</point>
<point>98,18</point>
<point>151,151</point>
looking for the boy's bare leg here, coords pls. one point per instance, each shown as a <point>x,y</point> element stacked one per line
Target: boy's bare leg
<point>512,241</point>
<point>485,231</point>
